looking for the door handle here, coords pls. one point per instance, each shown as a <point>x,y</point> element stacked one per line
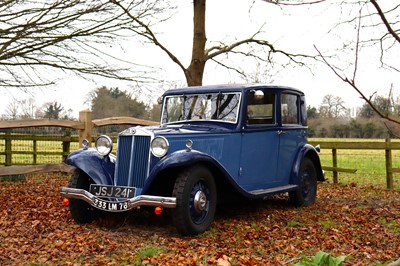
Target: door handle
<point>281,132</point>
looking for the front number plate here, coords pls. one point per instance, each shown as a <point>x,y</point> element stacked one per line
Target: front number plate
<point>112,191</point>
<point>110,206</point>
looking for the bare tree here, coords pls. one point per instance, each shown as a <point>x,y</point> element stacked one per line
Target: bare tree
<point>332,107</point>
<point>28,108</point>
<point>71,36</point>
<point>12,109</point>
<point>377,26</point>
<point>201,54</point>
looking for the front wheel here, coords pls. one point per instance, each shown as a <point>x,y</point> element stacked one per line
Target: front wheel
<point>81,211</point>
<point>306,194</point>
<point>196,200</point>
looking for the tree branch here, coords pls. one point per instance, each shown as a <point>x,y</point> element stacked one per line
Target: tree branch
<point>223,49</point>
<point>66,35</point>
<point>149,34</point>
<point>279,2</point>
<point>354,86</point>
<point>385,21</point>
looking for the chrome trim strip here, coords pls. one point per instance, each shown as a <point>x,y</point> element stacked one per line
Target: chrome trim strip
<point>142,200</point>
<point>131,153</point>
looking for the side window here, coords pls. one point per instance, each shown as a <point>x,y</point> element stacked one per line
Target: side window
<point>303,108</point>
<point>260,108</point>
<point>289,109</point>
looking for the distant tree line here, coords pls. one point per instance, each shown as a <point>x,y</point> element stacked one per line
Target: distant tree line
<point>105,102</point>
<point>110,102</point>
<point>332,119</point>
<point>28,109</point>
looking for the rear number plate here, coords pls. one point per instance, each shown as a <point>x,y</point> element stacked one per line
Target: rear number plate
<point>112,191</point>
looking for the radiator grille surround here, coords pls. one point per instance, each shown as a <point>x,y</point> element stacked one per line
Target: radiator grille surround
<point>133,160</point>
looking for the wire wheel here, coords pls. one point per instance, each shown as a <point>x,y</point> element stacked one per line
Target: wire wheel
<point>306,194</point>
<point>196,197</point>
<point>81,211</point>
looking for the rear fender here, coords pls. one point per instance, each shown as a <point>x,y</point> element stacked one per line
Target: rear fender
<point>307,151</point>
<point>100,169</point>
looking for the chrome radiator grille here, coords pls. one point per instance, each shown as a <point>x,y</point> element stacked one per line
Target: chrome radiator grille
<point>132,165</point>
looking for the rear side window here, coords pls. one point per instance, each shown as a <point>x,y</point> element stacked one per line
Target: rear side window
<point>303,108</point>
<point>290,109</point>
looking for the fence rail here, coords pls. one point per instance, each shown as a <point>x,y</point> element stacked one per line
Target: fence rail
<point>35,151</point>
<point>388,146</point>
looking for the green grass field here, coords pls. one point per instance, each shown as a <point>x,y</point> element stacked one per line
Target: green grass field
<point>42,147</point>
<point>370,164</point>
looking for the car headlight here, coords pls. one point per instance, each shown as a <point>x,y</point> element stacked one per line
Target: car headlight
<point>104,145</point>
<point>159,146</point>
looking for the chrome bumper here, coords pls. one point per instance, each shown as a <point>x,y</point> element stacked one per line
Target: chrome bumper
<point>135,202</point>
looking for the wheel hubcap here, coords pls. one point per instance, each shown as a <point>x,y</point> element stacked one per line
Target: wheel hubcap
<point>200,201</point>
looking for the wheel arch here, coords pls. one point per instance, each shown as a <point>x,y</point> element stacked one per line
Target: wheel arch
<point>310,152</point>
<point>100,169</point>
<point>163,176</point>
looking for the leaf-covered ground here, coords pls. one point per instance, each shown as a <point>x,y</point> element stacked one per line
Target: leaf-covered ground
<point>362,223</point>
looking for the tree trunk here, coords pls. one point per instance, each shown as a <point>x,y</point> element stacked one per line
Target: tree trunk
<point>194,73</point>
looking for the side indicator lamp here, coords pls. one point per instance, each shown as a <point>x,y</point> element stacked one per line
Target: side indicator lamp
<point>85,144</point>
<point>189,144</point>
<point>158,210</point>
<point>66,202</point>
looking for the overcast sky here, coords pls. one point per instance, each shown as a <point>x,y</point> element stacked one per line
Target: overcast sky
<point>292,29</point>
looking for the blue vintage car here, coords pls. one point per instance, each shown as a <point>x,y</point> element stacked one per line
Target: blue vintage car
<point>213,142</point>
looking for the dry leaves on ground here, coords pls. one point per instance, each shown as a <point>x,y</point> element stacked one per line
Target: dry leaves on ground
<point>362,223</point>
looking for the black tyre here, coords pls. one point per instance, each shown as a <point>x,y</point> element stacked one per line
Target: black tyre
<point>81,211</point>
<point>307,192</point>
<point>196,200</point>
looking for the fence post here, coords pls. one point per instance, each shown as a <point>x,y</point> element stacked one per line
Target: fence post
<point>85,116</point>
<point>34,151</point>
<point>66,145</point>
<point>8,148</point>
<point>389,172</point>
<point>334,162</point>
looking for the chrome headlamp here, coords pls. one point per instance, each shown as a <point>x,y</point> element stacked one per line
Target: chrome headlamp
<point>159,146</point>
<point>104,145</point>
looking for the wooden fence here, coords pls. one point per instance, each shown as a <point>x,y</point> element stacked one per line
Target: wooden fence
<point>387,146</point>
<point>84,125</point>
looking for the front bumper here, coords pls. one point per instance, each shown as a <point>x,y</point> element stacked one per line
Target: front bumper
<point>118,206</point>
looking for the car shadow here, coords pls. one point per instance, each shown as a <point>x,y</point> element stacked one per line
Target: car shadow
<point>247,207</point>
<point>144,222</point>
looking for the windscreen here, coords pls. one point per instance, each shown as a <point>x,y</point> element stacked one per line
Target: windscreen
<point>221,107</point>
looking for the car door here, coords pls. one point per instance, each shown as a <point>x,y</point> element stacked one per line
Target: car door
<point>292,133</point>
<point>260,142</point>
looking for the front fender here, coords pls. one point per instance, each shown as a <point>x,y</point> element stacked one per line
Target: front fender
<point>179,159</point>
<point>100,169</point>
<point>307,151</point>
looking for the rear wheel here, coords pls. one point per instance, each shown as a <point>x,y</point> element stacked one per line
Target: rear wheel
<point>196,200</point>
<point>306,194</point>
<point>81,211</point>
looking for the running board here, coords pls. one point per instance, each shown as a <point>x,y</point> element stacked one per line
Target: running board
<point>273,190</point>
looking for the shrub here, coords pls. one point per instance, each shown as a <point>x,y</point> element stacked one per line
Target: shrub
<point>322,259</point>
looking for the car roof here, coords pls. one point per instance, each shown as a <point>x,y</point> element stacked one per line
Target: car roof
<point>227,88</point>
